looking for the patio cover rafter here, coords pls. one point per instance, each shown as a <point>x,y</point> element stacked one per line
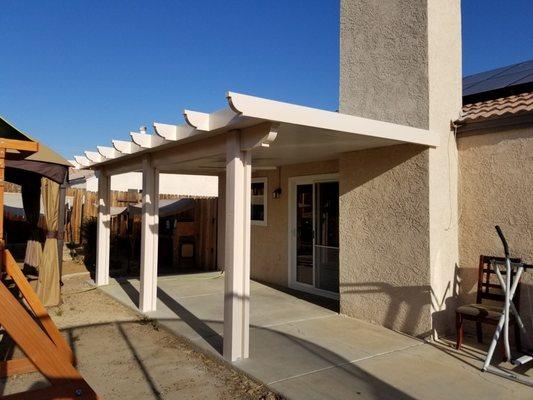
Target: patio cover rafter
<point>173,132</point>
<point>108,152</point>
<point>147,141</point>
<point>244,111</point>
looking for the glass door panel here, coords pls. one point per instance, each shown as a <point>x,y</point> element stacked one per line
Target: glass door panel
<point>304,234</point>
<point>326,243</point>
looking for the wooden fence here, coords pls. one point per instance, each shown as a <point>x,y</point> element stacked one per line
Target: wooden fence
<point>203,227</point>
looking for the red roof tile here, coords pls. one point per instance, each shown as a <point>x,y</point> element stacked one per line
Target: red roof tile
<point>497,108</point>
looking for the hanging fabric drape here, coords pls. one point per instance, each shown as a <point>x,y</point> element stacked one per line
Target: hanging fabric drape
<point>31,201</point>
<point>48,286</point>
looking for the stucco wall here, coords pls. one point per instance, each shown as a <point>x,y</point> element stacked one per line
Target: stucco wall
<point>384,230</point>
<point>401,62</point>
<point>383,64</point>
<point>445,103</point>
<point>496,182</point>
<point>269,244</point>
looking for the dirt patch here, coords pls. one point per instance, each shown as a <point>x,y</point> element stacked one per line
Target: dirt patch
<point>124,356</point>
<point>73,267</point>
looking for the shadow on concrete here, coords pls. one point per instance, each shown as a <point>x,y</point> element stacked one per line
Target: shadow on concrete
<point>130,290</point>
<point>359,380</point>
<point>138,361</point>
<point>362,382</point>
<point>473,354</point>
<point>199,326</point>
<point>330,304</point>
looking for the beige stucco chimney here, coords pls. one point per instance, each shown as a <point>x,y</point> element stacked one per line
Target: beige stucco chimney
<point>401,62</point>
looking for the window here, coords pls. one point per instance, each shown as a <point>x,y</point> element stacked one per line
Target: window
<point>259,201</point>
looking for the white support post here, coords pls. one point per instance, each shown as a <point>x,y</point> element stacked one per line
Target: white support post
<point>103,229</point>
<point>221,225</point>
<point>237,250</point>
<point>149,237</point>
<point>247,157</point>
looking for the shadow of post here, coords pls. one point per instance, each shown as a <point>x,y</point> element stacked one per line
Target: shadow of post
<point>144,370</point>
<point>199,326</point>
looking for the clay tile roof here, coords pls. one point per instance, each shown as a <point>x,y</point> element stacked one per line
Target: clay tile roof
<point>497,108</point>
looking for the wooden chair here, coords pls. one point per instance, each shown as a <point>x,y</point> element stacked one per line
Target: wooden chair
<point>488,288</point>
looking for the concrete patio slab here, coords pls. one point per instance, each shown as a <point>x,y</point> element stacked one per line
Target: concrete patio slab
<point>352,338</point>
<point>305,351</point>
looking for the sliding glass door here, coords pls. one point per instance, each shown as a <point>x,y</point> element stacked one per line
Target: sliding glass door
<point>315,235</point>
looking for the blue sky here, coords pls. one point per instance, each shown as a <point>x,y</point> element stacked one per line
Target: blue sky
<point>76,74</point>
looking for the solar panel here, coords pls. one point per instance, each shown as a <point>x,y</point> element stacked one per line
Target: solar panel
<point>499,78</point>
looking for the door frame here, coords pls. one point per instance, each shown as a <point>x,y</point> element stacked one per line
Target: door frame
<point>293,182</point>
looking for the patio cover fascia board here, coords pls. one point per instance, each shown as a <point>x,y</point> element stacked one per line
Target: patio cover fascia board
<point>244,111</point>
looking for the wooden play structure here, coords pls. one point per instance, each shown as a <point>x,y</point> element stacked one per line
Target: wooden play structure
<point>27,322</point>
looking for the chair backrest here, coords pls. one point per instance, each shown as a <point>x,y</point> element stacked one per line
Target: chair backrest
<point>488,286</point>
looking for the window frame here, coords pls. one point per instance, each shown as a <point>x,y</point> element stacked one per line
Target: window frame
<point>264,222</point>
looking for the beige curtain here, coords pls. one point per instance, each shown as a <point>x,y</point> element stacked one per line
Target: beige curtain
<point>48,288</point>
<point>31,201</point>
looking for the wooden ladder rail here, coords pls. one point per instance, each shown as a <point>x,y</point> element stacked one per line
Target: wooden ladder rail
<point>40,341</point>
<point>24,365</point>
<point>66,381</point>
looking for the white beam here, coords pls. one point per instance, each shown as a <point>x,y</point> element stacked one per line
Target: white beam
<point>145,140</point>
<point>261,135</point>
<point>209,147</point>
<point>103,230</point>
<point>94,156</point>
<point>237,250</point>
<point>149,237</point>
<point>83,161</point>
<point>174,132</point>
<point>108,152</point>
<point>196,119</point>
<point>256,107</point>
<point>124,167</point>
<point>126,147</point>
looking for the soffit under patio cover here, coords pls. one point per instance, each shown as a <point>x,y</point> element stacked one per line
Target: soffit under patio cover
<point>44,162</point>
<point>301,134</point>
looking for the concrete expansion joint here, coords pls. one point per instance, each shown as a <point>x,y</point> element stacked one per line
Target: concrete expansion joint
<point>298,320</point>
<point>369,357</point>
<point>191,296</point>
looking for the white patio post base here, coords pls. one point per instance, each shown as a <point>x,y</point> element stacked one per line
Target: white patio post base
<point>149,237</point>
<point>103,229</point>
<point>237,250</point>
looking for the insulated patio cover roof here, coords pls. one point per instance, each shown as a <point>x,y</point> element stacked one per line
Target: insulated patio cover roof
<point>300,131</point>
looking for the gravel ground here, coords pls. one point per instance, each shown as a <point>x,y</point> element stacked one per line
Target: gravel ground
<point>123,356</point>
